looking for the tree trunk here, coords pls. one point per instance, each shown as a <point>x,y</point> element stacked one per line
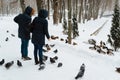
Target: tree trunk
<point>80,11</point>
<point>48,9</point>
<point>40,4</point>
<point>69,22</point>
<point>22,3</point>
<point>76,9</point>
<point>60,19</point>
<point>56,11</point>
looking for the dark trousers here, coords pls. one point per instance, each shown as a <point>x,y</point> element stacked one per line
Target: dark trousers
<point>38,52</point>
<point>24,47</point>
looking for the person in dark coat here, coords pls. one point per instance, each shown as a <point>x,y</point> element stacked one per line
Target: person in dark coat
<point>39,31</point>
<point>24,20</point>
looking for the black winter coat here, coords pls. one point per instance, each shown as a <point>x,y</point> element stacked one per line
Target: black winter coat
<point>24,21</point>
<point>40,28</point>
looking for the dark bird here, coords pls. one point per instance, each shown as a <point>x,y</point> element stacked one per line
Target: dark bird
<point>45,58</point>
<point>55,58</point>
<point>12,35</point>
<point>9,64</point>
<point>6,39</point>
<point>53,37</point>
<point>81,71</point>
<point>55,51</point>
<point>61,39</point>
<point>59,64</point>
<point>66,41</point>
<point>44,50</point>
<point>46,45</point>
<point>41,67</point>
<point>74,43</point>
<point>19,63</point>
<point>48,48</point>
<point>118,70</point>
<point>52,60</point>
<point>7,31</point>
<point>2,62</point>
<point>93,48</point>
<point>52,45</point>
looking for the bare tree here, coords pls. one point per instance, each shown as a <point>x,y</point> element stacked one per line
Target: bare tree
<point>48,9</point>
<point>22,3</point>
<point>56,11</point>
<point>40,4</point>
<point>60,8</point>
<point>69,22</point>
<point>80,10</point>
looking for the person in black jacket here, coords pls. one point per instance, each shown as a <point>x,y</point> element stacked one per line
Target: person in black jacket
<point>39,31</point>
<point>24,20</point>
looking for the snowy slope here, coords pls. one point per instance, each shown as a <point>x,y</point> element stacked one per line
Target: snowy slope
<point>98,66</point>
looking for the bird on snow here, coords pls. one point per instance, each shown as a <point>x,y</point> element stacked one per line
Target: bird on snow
<point>2,62</point>
<point>55,51</point>
<point>81,71</point>
<point>45,58</point>
<point>52,45</point>
<point>19,63</point>
<point>118,70</point>
<point>55,58</point>
<point>9,64</point>
<point>12,35</point>
<point>59,64</point>
<point>6,39</point>
<point>52,60</point>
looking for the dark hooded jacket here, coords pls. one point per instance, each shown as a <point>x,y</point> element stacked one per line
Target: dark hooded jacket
<point>40,28</point>
<point>24,21</point>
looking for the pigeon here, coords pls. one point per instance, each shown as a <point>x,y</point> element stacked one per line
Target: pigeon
<point>44,50</point>
<point>45,58</point>
<point>118,70</point>
<point>55,51</point>
<point>52,60</point>
<point>12,35</point>
<point>2,62</point>
<point>61,39</point>
<point>74,43</point>
<point>81,71</point>
<point>52,45</point>
<point>66,41</point>
<point>59,64</point>
<point>48,48</point>
<point>55,58</point>
<point>6,39</point>
<point>9,64</point>
<point>7,31</point>
<point>41,67</point>
<point>19,63</point>
<point>46,45</point>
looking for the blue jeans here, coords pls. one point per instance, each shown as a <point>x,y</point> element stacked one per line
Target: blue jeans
<point>24,47</point>
<point>38,52</point>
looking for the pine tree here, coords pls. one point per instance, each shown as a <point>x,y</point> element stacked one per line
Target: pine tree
<point>115,29</point>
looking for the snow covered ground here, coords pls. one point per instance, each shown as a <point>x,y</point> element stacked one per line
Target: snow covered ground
<point>98,66</point>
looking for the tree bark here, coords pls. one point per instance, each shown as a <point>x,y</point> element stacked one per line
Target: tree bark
<point>69,22</point>
<point>40,4</point>
<point>22,3</point>
<point>56,11</point>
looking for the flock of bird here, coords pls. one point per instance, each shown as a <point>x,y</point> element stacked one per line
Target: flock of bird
<point>102,48</point>
<point>9,64</point>
<point>52,60</point>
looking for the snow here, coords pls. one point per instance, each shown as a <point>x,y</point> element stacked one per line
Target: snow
<point>98,66</point>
